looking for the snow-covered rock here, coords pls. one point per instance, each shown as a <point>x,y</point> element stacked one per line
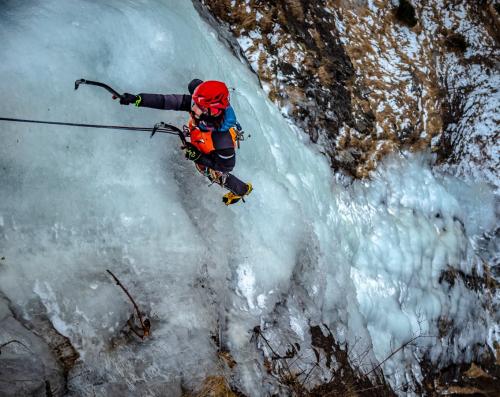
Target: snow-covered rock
<point>367,78</point>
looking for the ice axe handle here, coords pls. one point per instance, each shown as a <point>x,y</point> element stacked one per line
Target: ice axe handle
<point>164,127</point>
<point>98,84</point>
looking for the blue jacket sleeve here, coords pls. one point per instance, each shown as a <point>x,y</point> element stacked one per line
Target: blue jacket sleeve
<point>229,119</point>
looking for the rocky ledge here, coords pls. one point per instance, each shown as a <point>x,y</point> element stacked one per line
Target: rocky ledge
<point>35,358</point>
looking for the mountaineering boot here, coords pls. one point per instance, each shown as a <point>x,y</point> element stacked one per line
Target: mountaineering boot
<point>231,198</point>
<point>249,190</point>
<point>237,188</point>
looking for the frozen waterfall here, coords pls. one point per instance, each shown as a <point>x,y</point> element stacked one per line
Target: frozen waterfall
<point>364,259</point>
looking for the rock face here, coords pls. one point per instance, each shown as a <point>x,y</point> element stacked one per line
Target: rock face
<point>34,357</point>
<point>369,77</point>
<point>295,49</point>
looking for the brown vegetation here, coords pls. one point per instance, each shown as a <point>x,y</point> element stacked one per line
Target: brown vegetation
<point>298,375</point>
<point>213,386</point>
<point>380,91</point>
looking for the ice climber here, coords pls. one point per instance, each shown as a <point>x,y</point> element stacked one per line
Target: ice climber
<point>212,128</point>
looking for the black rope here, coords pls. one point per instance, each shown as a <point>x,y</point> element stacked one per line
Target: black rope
<point>164,129</point>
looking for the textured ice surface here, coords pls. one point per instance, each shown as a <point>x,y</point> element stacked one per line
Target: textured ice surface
<point>365,260</point>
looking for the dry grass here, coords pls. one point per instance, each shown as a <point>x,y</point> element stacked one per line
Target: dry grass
<point>367,44</point>
<point>476,372</point>
<point>266,22</point>
<point>324,75</point>
<point>295,94</point>
<point>295,7</point>
<point>213,386</point>
<point>227,358</point>
<point>317,38</point>
<point>248,21</point>
<point>217,385</point>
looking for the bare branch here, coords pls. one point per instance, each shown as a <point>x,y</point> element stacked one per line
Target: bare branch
<point>398,350</point>
<point>145,323</point>
<point>308,374</point>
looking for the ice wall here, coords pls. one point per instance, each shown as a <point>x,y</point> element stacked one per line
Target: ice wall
<point>365,259</point>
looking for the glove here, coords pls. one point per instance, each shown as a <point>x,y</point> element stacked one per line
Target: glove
<point>127,99</point>
<point>191,152</point>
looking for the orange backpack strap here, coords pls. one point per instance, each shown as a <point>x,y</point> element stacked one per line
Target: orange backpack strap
<point>202,140</point>
<point>234,134</point>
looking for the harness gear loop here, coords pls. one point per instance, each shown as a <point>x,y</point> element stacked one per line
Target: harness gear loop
<point>239,134</point>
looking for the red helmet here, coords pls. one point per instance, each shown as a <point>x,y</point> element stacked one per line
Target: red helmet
<point>212,95</point>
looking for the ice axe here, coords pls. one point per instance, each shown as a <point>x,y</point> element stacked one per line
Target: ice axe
<point>169,127</point>
<point>161,127</point>
<point>102,85</point>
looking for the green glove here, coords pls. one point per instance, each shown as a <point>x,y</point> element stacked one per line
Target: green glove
<point>191,152</point>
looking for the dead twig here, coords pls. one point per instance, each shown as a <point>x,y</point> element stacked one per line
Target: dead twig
<point>145,323</point>
<point>132,327</point>
<point>257,332</point>
<point>308,374</point>
<point>398,350</point>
